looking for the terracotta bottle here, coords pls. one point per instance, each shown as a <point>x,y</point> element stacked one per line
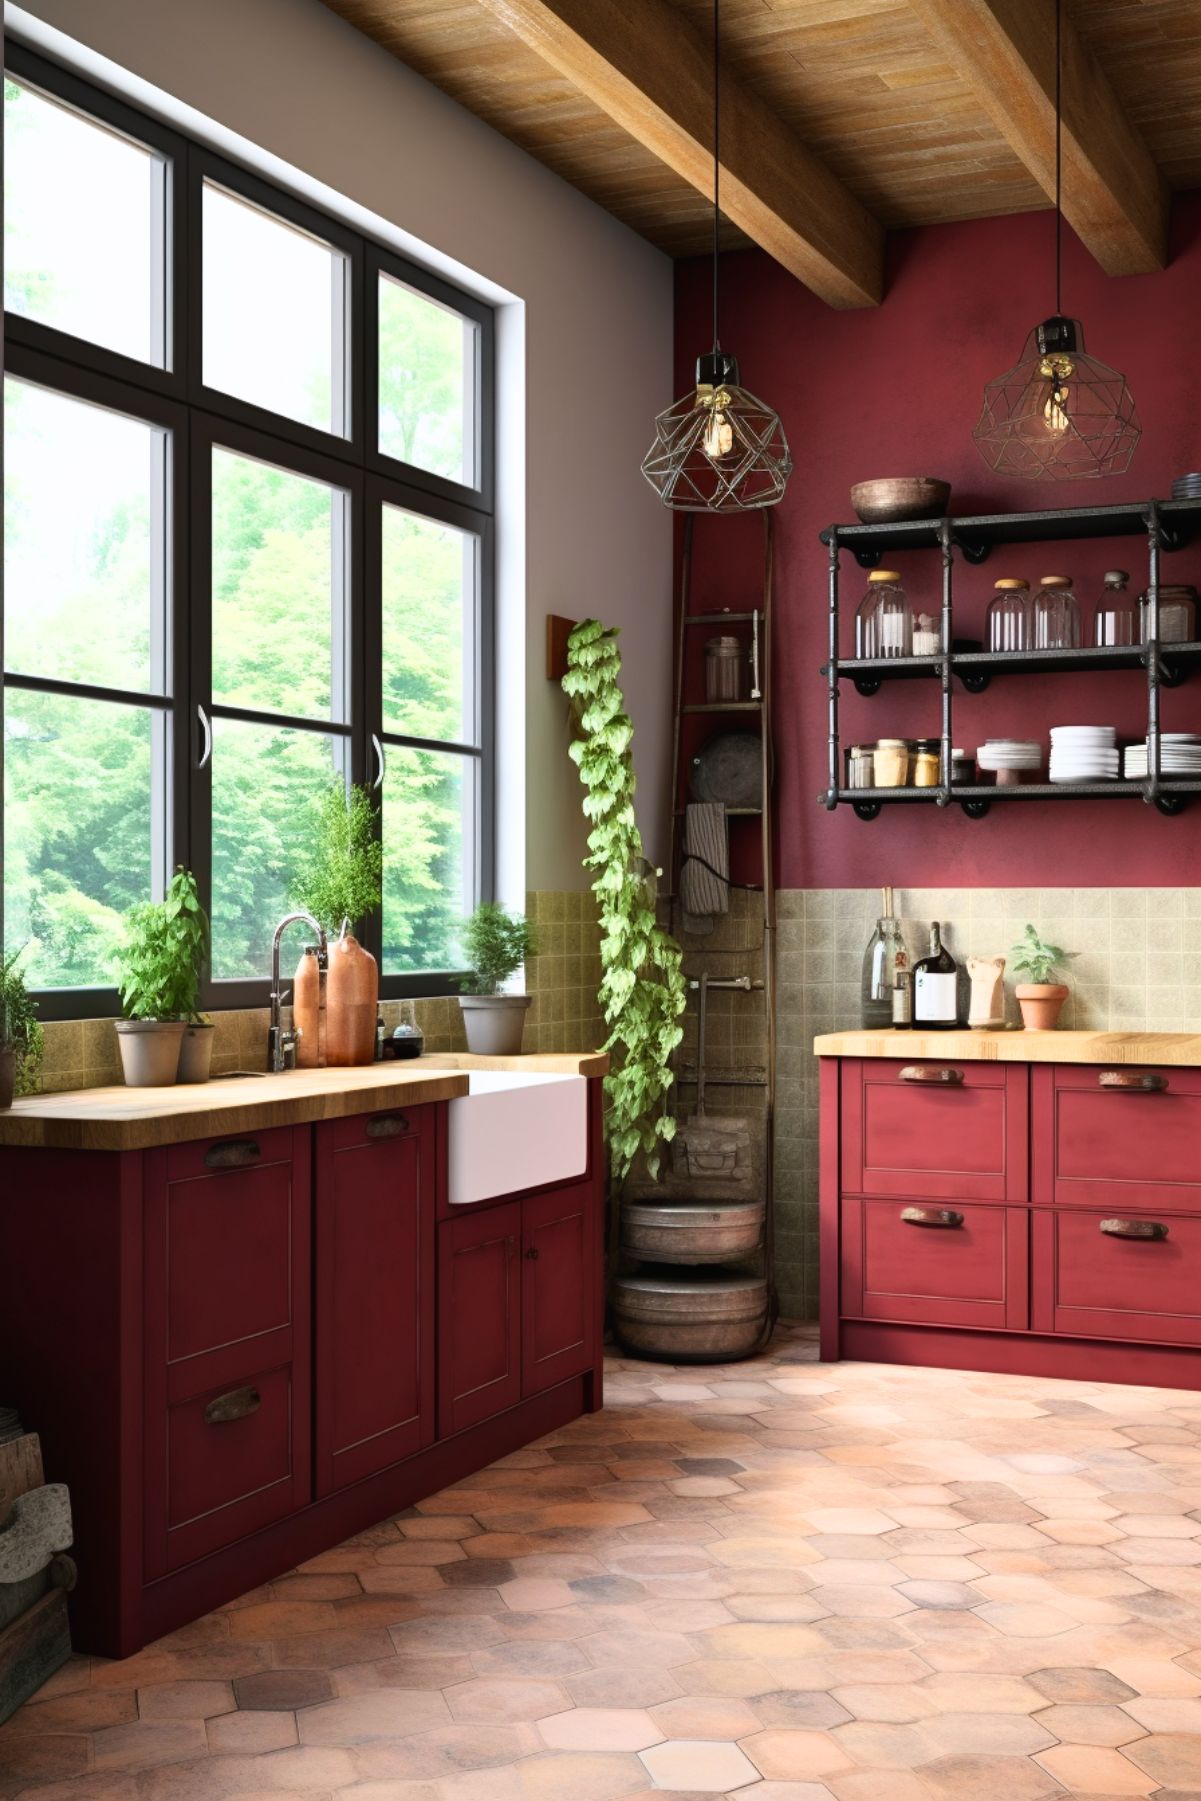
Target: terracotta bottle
<point>307,1012</point>
<point>351,1004</point>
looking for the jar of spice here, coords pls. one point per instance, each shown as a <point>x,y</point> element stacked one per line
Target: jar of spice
<point>1177,613</point>
<point>925,765</point>
<point>725,669</point>
<point>892,762</point>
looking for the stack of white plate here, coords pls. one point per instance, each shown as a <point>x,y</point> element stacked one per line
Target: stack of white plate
<point>1179,754</point>
<point>1084,753</point>
<point>1000,754</point>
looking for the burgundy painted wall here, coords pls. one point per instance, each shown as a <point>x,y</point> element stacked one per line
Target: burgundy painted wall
<point>895,391</point>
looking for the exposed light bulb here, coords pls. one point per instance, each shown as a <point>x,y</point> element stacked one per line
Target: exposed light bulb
<point>717,441</point>
<point>1056,369</point>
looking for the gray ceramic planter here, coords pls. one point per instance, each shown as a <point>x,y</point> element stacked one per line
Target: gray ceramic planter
<point>196,1054</point>
<point>494,1023</point>
<point>150,1051</point>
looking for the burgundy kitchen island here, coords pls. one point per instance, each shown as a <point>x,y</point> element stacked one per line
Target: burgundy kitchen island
<point>1027,1202</point>
<point>248,1323</point>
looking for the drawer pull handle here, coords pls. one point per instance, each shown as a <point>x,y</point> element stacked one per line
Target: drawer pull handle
<point>1134,1228</point>
<point>928,1072</point>
<point>931,1216</point>
<point>387,1125</point>
<point>239,1153</point>
<point>238,1404</point>
<point>1136,1081</point>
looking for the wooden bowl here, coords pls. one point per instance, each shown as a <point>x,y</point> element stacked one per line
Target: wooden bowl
<point>900,497</point>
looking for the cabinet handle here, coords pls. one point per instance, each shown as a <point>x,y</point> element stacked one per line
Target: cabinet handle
<point>1136,1081</point>
<point>927,1072</point>
<point>387,1125</point>
<point>1134,1228</point>
<point>237,1154</point>
<point>238,1404</point>
<point>532,1253</point>
<point>931,1216</point>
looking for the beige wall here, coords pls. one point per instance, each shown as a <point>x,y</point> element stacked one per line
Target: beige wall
<point>585,339</point>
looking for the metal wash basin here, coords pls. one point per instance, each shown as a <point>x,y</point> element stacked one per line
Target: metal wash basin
<point>514,1131</point>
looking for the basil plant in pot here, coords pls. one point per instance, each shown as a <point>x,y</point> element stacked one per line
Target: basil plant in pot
<point>496,944</point>
<point>339,883</point>
<point>1041,998</point>
<point>162,1037</point>
<point>20,1033</point>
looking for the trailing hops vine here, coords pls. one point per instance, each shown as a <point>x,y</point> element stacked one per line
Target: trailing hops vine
<point>642,989</point>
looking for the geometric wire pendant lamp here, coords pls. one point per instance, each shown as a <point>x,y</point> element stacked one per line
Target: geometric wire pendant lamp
<point>1058,414</point>
<point>718,449</point>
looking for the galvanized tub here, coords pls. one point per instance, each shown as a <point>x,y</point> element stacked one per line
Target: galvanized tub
<point>687,1316</point>
<point>692,1231</point>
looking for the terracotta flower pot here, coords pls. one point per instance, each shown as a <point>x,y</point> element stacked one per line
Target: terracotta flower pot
<point>351,1004</point>
<point>1041,1004</point>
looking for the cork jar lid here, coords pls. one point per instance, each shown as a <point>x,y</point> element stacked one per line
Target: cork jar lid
<point>1054,581</point>
<point>1011,581</point>
<point>884,575</point>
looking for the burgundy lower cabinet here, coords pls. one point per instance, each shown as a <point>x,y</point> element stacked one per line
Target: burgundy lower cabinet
<point>374,1297</point>
<point>1034,1219</point>
<point>241,1351</point>
<point>515,1301</point>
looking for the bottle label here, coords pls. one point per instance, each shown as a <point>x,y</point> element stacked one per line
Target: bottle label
<point>935,996</point>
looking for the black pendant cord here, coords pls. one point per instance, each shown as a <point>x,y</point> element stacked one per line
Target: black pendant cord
<point>716,160</point>
<point>1058,157</point>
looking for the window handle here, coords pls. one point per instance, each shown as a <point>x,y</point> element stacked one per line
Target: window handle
<point>381,761</point>
<point>206,727</point>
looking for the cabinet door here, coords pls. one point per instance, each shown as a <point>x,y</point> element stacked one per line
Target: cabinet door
<point>1125,1137</point>
<point>935,1131</point>
<point>936,1264</point>
<point>227,1341</point>
<point>1117,1276</point>
<point>374,1286</point>
<point>479,1316</point>
<point>558,1276</point>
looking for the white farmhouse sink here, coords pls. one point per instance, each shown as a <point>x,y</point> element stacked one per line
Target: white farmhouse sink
<point>514,1131</point>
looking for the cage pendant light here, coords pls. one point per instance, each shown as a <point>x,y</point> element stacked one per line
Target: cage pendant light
<point>1058,414</point>
<point>718,449</point>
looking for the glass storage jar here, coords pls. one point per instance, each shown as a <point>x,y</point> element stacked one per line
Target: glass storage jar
<point>1114,621</point>
<point>861,766</point>
<point>1055,615</point>
<point>925,763</point>
<point>1177,613</point>
<point>1009,615</point>
<point>892,762</point>
<point>725,669</point>
<point>884,621</point>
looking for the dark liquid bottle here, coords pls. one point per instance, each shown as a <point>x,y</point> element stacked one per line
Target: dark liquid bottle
<point>936,988</point>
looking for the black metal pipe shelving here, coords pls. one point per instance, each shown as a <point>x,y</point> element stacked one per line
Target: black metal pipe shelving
<point>1166,525</point>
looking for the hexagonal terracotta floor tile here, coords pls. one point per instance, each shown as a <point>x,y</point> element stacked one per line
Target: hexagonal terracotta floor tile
<point>707,1766</point>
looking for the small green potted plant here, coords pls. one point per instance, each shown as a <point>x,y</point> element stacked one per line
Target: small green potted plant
<point>158,969</point>
<point>496,944</point>
<point>20,1033</point>
<point>1041,998</point>
<point>340,883</point>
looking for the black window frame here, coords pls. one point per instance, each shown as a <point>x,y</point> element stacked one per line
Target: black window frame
<point>198,417</point>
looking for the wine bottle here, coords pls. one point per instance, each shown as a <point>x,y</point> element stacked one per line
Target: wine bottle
<point>936,987</point>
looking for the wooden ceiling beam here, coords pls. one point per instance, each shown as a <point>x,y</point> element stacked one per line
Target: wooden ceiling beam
<point>651,72</point>
<point>1114,197</point>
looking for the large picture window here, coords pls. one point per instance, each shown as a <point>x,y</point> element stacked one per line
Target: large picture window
<point>248,553</point>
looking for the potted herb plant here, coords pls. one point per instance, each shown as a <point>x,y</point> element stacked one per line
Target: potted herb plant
<point>20,1033</point>
<point>340,884</point>
<point>496,944</point>
<point>158,970</point>
<point>1041,998</point>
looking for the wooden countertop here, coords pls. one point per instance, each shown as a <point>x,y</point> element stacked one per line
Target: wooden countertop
<point>136,1119</point>
<point>1180,1048</point>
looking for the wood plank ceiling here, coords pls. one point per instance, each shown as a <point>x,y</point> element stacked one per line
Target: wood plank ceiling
<point>891,96</point>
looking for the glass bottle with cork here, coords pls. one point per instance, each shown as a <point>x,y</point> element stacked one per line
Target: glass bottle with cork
<point>884,957</point>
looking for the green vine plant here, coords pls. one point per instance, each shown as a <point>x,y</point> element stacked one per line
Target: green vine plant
<point>642,988</point>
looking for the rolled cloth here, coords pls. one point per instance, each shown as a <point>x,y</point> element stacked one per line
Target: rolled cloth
<point>705,866</point>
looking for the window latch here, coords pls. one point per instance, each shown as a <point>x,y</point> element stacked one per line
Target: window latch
<point>381,761</point>
<point>206,729</point>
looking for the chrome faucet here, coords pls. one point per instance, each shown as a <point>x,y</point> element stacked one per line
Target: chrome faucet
<point>281,1045</point>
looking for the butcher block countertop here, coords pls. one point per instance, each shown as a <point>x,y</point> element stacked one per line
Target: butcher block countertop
<point>1180,1048</point>
<point>138,1119</point>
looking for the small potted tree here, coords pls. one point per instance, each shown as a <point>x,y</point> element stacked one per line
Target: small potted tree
<point>158,969</point>
<point>1041,998</point>
<point>340,884</point>
<point>20,1033</point>
<point>496,944</point>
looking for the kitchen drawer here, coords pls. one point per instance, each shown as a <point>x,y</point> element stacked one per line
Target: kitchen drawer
<point>1096,1145</point>
<point>228,1465</point>
<point>935,1264</point>
<point>1111,1283</point>
<point>935,1131</point>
